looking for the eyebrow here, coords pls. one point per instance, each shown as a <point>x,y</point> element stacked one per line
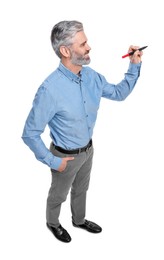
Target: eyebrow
<point>83,43</point>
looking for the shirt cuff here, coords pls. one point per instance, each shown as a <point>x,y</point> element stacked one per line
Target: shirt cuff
<point>134,66</point>
<point>53,161</point>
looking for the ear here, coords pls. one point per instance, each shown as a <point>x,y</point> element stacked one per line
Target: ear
<point>65,51</point>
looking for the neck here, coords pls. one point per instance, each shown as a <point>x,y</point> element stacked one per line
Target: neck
<point>73,68</point>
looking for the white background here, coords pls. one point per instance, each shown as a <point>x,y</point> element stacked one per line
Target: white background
<point>126,191</point>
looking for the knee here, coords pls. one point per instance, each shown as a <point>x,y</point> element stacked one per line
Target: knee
<point>56,199</point>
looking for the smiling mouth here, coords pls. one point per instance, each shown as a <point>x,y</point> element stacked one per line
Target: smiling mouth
<point>87,56</point>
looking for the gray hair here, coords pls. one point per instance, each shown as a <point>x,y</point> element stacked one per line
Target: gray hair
<point>62,34</point>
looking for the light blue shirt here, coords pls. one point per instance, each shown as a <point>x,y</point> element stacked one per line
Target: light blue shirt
<point>69,103</point>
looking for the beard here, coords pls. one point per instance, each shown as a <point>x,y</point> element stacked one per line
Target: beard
<point>78,59</point>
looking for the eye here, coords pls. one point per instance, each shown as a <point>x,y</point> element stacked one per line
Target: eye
<point>83,44</point>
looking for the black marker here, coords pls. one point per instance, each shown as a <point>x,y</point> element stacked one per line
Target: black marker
<point>132,52</point>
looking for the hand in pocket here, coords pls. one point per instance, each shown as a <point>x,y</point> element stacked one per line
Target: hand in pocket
<point>64,162</point>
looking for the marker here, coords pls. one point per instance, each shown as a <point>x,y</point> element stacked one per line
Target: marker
<point>132,52</point>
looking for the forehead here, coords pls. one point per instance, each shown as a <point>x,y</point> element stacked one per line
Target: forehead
<point>80,38</point>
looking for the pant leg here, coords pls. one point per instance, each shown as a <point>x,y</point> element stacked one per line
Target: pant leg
<point>59,189</point>
<point>60,186</point>
<point>79,189</point>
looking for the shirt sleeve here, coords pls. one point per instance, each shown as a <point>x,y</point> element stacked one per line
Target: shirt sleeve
<point>42,111</point>
<point>121,90</point>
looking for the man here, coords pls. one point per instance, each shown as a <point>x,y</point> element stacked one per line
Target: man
<point>68,101</point>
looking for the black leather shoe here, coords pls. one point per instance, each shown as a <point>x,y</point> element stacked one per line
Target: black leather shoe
<point>60,233</point>
<point>89,226</point>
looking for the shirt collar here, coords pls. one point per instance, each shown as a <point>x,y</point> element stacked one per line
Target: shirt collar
<point>69,74</point>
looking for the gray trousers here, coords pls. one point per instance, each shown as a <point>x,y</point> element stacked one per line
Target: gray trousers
<point>76,177</point>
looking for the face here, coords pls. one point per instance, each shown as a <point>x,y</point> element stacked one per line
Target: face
<point>79,50</point>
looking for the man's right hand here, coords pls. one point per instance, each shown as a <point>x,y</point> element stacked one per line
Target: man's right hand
<point>64,162</point>
<point>136,57</point>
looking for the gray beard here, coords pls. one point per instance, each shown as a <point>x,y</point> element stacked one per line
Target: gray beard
<point>79,60</point>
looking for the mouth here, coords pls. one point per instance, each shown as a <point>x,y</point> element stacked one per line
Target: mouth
<point>87,56</point>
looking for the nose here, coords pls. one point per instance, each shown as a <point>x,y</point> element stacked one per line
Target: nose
<point>88,47</point>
